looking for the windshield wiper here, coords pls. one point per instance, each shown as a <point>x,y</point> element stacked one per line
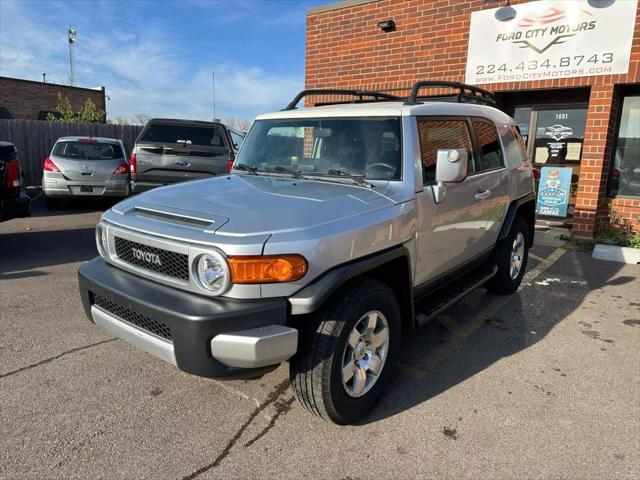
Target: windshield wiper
<point>247,168</point>
<point>359,179</point>
<point>281,169</point>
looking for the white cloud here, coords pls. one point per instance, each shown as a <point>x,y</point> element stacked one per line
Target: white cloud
<point>143,72</point>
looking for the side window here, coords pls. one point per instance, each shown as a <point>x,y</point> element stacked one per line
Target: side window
<point>521,142</point>
<point>236,138</point>
<point>489,145</point>
<point>512,148</point>
<point>441,134</point>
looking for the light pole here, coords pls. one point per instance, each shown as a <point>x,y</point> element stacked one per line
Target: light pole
<point>213,92</point>
<point>71,35</point>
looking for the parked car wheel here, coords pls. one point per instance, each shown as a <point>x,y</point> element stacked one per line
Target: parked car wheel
<point>511,256</point>
<point>347,356</point>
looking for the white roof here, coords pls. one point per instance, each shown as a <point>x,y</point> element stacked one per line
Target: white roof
<point>394,109</point>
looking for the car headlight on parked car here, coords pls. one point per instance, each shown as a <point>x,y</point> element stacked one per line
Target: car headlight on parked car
<point>101,240</point>
<point>212,272</point>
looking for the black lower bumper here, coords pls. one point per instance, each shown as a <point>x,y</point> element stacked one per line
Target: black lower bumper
<point>192,320</point>
<point>17,207</point>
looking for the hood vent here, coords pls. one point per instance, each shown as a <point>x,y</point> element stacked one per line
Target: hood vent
<point>208,225</point>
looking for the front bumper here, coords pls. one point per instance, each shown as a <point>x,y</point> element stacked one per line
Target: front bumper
<point>17,207</point>
<point>208,337</point>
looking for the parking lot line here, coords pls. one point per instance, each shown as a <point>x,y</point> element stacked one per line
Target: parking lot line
<point>460,334</point>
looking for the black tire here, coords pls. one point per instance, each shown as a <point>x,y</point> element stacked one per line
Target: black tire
<point>503,282</point>
<point>316,370</point>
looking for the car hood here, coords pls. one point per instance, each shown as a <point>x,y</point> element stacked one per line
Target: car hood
<point>253,205</point>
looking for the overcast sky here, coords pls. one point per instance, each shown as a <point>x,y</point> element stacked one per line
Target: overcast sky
<point>157,57</point>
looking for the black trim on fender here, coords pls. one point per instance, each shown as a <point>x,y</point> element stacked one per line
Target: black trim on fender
<point>313,296</point>
<point>511,214</point>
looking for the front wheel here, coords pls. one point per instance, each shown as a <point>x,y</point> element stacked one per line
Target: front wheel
<point>511,259</point>
<point>347,357</point>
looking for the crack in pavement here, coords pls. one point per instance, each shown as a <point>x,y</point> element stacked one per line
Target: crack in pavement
<point>51,359</point>
<point>271,398</point>
<point>282,408</point>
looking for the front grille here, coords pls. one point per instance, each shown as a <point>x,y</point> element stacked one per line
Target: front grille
<point>164,262</point>
<point>155,327</point>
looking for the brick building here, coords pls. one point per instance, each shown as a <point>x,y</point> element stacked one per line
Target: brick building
<point>26,99</point>
<point>596,106</point>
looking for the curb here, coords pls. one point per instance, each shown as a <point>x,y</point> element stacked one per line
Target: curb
<point>613,253</point>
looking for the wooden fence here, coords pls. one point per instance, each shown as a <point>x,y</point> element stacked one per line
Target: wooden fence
<point>34,140</point>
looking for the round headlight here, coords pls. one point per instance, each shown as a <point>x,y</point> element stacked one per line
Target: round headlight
<point>101,240</point>
<point>213,272</point>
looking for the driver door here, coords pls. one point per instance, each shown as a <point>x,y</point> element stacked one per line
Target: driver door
<point>450,233</point>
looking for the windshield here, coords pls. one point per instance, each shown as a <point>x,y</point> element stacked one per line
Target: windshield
<point>88,150</point>
<point>369,147</point>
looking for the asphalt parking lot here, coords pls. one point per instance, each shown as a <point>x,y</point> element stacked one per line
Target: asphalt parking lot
<point>542,384</point>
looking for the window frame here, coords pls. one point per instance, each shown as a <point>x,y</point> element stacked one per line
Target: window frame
<point>447,118</point>
<point>233,143</point>
<point>400,122</point>
<point>479,148</point>
<point>621,96</point>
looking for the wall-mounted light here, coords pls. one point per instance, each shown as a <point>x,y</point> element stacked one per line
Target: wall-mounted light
<point>600,3</point>
<point>387,25</point>
<point>504,14</point>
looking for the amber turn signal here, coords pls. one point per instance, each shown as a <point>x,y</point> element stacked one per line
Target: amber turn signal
<point>267,268</point>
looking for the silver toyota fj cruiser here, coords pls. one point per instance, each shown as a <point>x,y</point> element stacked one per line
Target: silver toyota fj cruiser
<point>335,226</point>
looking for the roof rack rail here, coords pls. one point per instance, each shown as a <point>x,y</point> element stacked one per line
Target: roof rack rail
<point>360,94</point>
<point>467,93</point>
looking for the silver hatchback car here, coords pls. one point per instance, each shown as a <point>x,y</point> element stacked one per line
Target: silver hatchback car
<point>86,166</point>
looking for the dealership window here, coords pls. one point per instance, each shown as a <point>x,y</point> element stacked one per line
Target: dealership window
<point>441,135</point>
<point>625,172</point>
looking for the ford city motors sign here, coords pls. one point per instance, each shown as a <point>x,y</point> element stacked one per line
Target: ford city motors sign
<point>550,39</point>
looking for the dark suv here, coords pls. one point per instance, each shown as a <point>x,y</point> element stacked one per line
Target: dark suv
<point>14,201</point>
<point>169,151</point>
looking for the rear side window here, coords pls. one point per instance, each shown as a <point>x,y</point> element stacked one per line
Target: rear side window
<point>88,150</point>
<point>184,134</point>
<point>488,144</point>
<point>520,139</point>
<point>438,135</point>
<point>512,147</point>
<point>236,138</point>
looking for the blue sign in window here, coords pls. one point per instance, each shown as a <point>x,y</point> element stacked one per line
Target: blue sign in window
<point>554,190</point>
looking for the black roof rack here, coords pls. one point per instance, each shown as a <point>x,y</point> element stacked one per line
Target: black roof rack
<point>360,94</point>
<point>467,93</point>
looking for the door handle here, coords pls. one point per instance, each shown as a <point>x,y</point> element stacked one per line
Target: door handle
<point>182,163</point>
<point>482,195</point>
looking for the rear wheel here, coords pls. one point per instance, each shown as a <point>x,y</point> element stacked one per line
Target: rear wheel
<point>511,259</point>
<point>346,358</point>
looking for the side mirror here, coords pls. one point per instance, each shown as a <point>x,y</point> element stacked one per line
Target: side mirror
<point>451,167</point>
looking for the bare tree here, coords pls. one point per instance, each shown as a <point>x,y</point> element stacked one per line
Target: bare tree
<point>137,119</point>
<point>140,118</point>
<point>237,123</point>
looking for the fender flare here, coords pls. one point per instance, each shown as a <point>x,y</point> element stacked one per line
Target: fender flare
<point>512,210</point>
<point>313,296</point>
